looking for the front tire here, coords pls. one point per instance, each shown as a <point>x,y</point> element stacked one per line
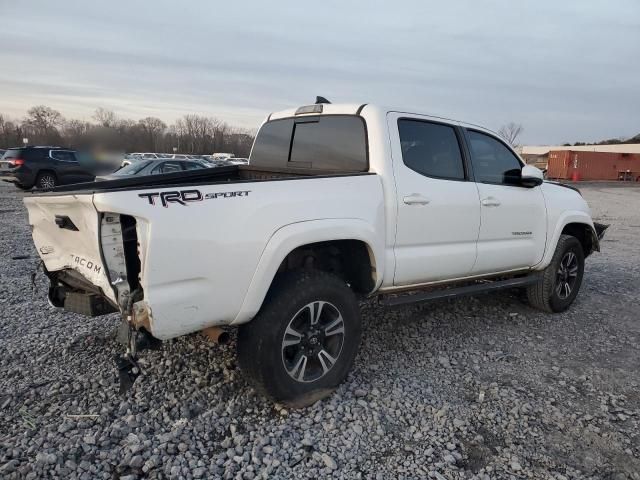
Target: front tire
<point>561,280</point>
<point>304,340</point>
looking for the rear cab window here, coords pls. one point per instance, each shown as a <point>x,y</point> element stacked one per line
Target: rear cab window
<point>329,142</point>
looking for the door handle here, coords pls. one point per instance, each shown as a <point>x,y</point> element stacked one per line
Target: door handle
<point>415,199</point>
<point>491,202</point>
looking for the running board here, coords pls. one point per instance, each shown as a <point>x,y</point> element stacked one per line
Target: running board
<point>484,287</point>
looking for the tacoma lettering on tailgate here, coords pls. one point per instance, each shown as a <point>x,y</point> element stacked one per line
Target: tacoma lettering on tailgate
<point>83,262</point>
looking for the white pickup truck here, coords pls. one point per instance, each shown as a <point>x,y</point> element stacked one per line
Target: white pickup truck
<point>338,202</point>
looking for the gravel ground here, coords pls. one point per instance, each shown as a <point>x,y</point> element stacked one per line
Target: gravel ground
<point>481,387</point>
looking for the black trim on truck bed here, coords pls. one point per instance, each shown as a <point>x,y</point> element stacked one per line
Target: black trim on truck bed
<point>140,181</point>
<point>211,176</point>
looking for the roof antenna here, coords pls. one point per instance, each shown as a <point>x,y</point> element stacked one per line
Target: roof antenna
<point>321,100</point>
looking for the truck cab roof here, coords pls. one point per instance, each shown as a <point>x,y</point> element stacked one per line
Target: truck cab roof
<point>367,108</point>
<point>322,108</point>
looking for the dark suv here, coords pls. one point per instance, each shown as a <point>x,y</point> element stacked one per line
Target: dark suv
<point>44,167</point>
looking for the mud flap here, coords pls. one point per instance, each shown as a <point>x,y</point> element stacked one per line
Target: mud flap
<point>135,341</point>
<point>128,371</point>
<point>127,365</point>
<point>34,274</point>
<point>597,232</point>
<point>600,229</point>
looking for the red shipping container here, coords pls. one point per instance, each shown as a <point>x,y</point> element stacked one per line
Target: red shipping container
<point>578,165</point>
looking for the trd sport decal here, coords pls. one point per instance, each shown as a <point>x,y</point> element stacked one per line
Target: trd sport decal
<point>183,197</point>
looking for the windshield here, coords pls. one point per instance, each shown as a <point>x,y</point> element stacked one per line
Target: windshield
<point>132,168</point>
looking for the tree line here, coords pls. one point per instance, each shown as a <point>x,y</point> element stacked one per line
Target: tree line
<point>192,133</point>
<point>610,141</point>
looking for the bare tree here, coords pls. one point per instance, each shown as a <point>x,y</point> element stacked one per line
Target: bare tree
<point>510,132</point>
<point>196,133</point>
<point>190,134</point>
<point>76,132</point>
<point>153,128</point>
<point>4,130</point>
<point>8,133</point>
<point>106,118</point>
<point>44,118</point>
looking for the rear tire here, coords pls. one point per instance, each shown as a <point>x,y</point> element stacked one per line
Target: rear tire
<point>561,280</point>
<point>46,180</point>
<point>303,342</point>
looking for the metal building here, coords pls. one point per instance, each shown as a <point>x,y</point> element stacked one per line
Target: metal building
<point>583,165</point>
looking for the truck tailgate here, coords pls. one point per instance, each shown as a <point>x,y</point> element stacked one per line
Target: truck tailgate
<point>66,231</point>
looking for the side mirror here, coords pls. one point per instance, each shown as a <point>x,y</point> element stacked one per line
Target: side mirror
<point>531,176</point>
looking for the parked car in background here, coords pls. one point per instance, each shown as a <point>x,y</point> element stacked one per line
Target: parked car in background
<point>222,156</point>
<point>238,161</point>
<point>216,163</point>
<point>173,155</point>
<point>134,157</point>
<point>129,157</point>
<point>47,167</point>
<point>128,160</point>
<point>145,155</point>
<point>154,167</point>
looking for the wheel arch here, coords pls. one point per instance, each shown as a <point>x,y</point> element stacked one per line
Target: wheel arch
<point>42,171</point>
<point>585,234</point>
<point>291,246</point>
<point>46,170</point>
<point>577,224</point>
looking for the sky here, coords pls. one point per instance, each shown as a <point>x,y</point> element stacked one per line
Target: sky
<point>566,70</point>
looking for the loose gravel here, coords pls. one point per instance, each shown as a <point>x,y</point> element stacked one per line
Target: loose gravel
<point>482,387</point>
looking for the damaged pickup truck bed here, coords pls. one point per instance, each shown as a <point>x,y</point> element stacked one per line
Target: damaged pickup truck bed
<point>338,201</point>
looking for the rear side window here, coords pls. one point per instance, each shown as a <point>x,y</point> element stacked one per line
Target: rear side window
<point>63,155</point>
<point>271,147</point>
<point>132,168</point>
<point>167,167</point>
<point>332,142</point>
<point>192,165</point>
<point>431,149</point>
<point>12,154</point>
<point>492,161</point>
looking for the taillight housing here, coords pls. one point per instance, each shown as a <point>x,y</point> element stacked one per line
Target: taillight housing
<point>17,162</point>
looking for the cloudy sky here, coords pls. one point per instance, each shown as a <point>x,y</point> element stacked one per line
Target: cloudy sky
<point>567,70</point>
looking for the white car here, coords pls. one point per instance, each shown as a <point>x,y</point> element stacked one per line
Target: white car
<point>338,202</point>
<point>238,161</point>
<point>222,156</point>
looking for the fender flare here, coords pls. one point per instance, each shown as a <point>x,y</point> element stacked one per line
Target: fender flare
<point>571,216</point>
<point>294,235</point>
